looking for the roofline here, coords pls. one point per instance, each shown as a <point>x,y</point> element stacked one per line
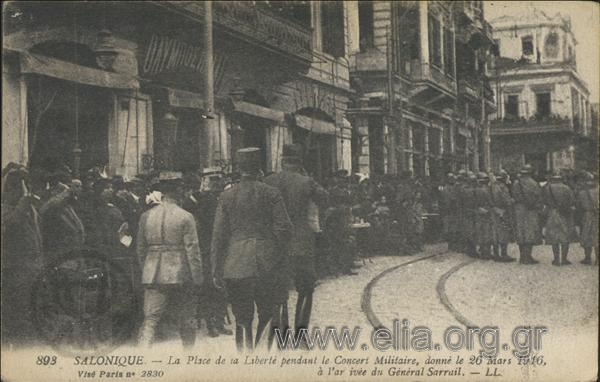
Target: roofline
<point>562,26</point>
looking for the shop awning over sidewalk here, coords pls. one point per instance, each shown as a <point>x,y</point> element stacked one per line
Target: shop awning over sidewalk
<point>259,111</point>
<point>314,125</point>
<point>64,70</point>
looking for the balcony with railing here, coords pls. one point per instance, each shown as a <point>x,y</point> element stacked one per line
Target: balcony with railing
<point>254,24</point>
<point>472,25</point>
<point>549,123</point>
<point>470,87</point>
<point>470,9</point>
<point>430,74</point>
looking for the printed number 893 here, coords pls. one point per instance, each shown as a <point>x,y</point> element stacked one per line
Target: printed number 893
<point>46,360</point>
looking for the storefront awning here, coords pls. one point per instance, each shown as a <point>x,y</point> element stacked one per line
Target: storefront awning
<point>315,125</point>
<point>64,70</point>
<point>259,111</point>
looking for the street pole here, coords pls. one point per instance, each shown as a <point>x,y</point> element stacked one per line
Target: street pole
<point>209,97</point>
<point>400,137</point>
<point>391,149</point>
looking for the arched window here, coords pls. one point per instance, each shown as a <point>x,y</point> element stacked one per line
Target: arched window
<point>551,45</point>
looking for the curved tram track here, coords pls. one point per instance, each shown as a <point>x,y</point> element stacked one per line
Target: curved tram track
<point>366,303</point>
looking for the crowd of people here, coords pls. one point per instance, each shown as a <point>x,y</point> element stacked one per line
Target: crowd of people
<point>484,213</point>
<point>201,241</point>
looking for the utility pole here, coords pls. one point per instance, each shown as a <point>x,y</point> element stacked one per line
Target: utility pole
<point>391,141</point>
<point>395,55</point>
<point>209,96</point>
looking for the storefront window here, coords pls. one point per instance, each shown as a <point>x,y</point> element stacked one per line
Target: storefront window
<point>376,155</point>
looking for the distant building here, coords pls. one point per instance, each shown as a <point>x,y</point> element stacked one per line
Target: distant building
<point>544,113</point>
<point>422,96</point>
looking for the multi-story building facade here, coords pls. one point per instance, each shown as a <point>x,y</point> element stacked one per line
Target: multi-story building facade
<point>422,100</point>
<point>544,114</point>
<point>126,84</point>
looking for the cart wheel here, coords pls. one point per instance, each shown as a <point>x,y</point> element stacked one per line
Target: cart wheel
<point>84,302</point>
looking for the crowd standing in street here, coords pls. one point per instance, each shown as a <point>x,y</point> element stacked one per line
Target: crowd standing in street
<point>198,242</point>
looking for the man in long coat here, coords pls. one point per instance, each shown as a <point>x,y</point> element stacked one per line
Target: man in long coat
<point>449,199</point>
<point>484,223</point>
<point>62,228</point>
<point>527,195</point>
<point>201,201</point>
<point>21,257</point>
<point>468,211</point>
<point>587,201</point>
<point>298,191</point>
<point>560,226</point>
<point>168,250</point>
<point>105,221</point>
<point>248,253</point>
<point>501,210</point>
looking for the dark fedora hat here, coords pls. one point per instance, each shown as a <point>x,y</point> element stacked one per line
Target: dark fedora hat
<point>527,169</point>
<point>292,153</point>
<point>249,159</point>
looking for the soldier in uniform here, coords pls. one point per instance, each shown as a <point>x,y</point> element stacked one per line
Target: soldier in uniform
<point>403,201</point>
<point>484,223</point>
<point>201,202</point>
<point>167,247</point>
<point>501,214</point>
<point>337,234</point>
<point>449,208</point>
<point>560,226</point>
<point>298,191</point>
<point>461,243</point>
<point>248,249</point>
<point>469,210</point>
<point>587,201</point>
<point>527,195</point>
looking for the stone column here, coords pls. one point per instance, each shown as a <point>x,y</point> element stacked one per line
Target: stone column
<point>424,35</point>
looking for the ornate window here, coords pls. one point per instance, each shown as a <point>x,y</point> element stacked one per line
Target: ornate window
<point>551,45</point>
<point>511,106</point>
<point>435,41</point>
<point>366,24</point>
<point>332,24</point>
<point>527,45</point>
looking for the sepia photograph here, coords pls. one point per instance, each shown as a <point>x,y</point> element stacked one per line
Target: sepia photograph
<point>300,191</point>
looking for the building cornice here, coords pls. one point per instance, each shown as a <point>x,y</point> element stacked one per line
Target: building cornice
<point>524,73</point>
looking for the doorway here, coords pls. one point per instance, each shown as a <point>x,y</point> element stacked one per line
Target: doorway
<point>61,113</point>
